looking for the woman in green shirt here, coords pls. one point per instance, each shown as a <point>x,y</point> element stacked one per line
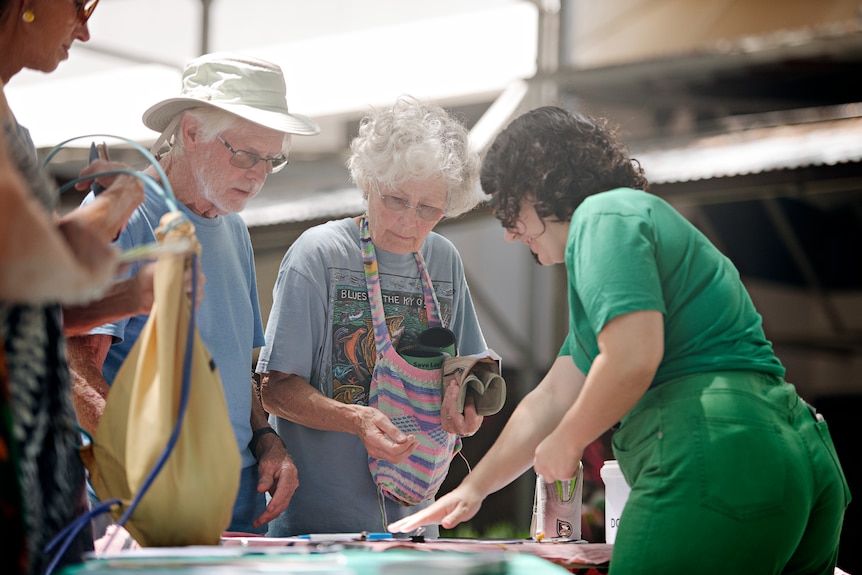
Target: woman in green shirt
<point>730,470</point>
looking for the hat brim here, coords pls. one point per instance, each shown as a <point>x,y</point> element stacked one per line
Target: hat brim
<point>158,116</point>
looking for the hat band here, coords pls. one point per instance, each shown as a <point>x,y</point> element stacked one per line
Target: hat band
<point>262,99</point>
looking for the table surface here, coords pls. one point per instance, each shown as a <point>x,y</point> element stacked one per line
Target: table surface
<point>569,554</point>
<point>350,556</point>
<point>332,561</point>
<point>238,555</point>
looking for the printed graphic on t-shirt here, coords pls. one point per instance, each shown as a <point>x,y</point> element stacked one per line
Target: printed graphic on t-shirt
<point>353,349</point>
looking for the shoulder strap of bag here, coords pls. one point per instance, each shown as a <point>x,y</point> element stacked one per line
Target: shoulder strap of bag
<point>375,299</point>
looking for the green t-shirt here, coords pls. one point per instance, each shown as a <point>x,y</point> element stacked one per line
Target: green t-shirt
<point>629,251</point>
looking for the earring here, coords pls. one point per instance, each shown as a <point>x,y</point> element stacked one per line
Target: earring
<point>28,16</point>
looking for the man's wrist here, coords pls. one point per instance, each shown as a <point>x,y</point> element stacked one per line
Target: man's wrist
<point>257,436</point>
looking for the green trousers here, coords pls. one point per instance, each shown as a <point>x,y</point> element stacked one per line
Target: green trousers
<point>730,472</point>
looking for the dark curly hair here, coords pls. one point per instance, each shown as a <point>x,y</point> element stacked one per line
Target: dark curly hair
<point>556,158</point>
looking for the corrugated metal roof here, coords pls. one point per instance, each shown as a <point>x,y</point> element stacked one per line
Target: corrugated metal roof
<point>329,204</point>
<point>748,148</point>
<point>753,150</point>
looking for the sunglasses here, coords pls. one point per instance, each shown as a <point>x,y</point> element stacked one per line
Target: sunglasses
<point>248,160</point>
<point>396,204</point>
<point>85,9</point>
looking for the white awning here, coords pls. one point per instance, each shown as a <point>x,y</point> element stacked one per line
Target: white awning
<point>462,58</point>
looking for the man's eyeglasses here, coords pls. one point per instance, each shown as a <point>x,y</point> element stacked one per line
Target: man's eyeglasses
<point>396,204</point>
<point>248,160</point>
<point>85,9</point>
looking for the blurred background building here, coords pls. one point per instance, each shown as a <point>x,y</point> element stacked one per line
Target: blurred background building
<point>746,115</point>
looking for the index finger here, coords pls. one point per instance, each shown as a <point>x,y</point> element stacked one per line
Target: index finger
<point>431,515</point>
<point>268,514</point>
<point>280,498</point>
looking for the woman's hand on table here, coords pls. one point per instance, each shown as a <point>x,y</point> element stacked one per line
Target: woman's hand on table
<point>457,506</point>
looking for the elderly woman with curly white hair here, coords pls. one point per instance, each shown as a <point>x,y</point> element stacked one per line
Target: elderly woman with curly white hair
<point>350,297</point>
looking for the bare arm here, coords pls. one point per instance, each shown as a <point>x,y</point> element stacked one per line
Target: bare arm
<point>553,425</point>
<point>126,298</point>
<point>292,398</point>
<point>259,416</point>
<point>86,356</point>
<point>512,454</point>
<point>535,417</point>
<point>38,263</point>
<point>631,348</point>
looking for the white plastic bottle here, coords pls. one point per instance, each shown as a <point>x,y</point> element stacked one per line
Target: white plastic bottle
<point>616,495</point>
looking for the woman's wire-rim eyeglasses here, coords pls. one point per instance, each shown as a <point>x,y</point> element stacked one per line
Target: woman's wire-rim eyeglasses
<point>396,204</point>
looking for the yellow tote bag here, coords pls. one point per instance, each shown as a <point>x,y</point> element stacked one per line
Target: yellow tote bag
<point>190,502</point>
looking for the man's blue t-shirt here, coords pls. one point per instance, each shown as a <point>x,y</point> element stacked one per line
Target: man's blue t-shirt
<point>228,317</point>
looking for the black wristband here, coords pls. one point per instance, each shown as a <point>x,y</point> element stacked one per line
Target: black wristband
<point>255,438</point>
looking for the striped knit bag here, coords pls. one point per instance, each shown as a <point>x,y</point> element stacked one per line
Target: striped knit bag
<point>410,396</point>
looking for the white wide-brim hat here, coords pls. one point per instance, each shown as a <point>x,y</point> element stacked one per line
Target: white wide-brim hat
<point>250,88</point>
